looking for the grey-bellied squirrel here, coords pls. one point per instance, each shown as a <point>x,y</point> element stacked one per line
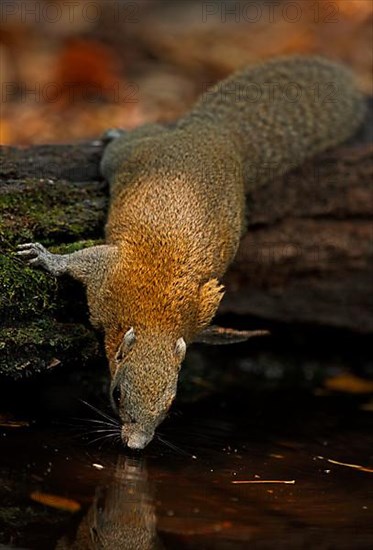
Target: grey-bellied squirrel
<point>177,213</point>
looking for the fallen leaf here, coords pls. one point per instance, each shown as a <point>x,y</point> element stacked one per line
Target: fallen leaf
<point>54,363</point>
<point>86,70</point>
<point>55,501</point>
<point>9,422</point>
<point>349,383</point>
<point>367,406</point>
<point>285,482</point>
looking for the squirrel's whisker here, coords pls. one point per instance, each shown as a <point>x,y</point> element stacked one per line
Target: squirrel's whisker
<point>173,447</point>
<point>105,431</point>
<point>98,421</point>
<point>98,411</point>
<point>106,437</point>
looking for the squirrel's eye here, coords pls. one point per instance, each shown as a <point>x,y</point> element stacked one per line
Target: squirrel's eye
<point>116,396</point>
<point>94,534</point>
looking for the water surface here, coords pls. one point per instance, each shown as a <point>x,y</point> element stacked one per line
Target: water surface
<point>189,498</point>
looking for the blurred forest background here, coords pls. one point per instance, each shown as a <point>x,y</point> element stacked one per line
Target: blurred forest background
<point>71,69</point>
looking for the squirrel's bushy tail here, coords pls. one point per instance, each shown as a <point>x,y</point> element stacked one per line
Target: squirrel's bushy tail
<point>283,111</point>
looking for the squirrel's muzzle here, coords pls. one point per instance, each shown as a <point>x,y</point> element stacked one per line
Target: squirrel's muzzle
<point>135,438</point>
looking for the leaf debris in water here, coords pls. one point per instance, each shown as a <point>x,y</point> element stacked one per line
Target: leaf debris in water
<point>245,481</point>
<point>55,501</point>
<point>367,406</point>
<point>349,383</point>
<point>9,422</point>
<point>354,466</point>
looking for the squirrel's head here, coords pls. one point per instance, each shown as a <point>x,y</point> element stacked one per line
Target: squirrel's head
<point>144,380</point>
<point>145,340</point>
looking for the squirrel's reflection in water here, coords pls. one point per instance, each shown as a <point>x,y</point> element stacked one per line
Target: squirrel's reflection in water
<point>122,515</point>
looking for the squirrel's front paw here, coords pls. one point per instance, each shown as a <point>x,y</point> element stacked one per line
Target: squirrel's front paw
<point>34,254</point>
<point>37,256</point>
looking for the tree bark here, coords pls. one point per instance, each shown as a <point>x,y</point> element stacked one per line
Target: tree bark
<point>307,256</point>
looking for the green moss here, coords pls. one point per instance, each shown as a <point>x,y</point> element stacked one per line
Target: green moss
<point>31,338</point>
<point>42,319</point>
<point>27,292</point>
<point>10,515</point>
<point>46,332</point>
<point>24,292</point>
<point>34,347</point>
<point>74,247</point>
<point>50,210</point>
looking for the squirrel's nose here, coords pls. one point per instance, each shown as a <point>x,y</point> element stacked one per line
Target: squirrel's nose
<point>137,439</point>
<point>135,436</point>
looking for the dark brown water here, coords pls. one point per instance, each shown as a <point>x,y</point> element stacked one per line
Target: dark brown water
<point>188,498</point>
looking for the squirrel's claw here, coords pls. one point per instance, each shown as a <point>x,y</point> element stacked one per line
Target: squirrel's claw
<point>35,255</point>
<point>31,252</point>
<point>27,248</point>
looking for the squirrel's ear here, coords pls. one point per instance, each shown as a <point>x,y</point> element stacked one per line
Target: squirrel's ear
<point>127,343</point>
<point>210,295</point>
<point>218,335</point>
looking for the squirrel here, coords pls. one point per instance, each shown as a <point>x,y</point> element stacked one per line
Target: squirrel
<point>177,213</point>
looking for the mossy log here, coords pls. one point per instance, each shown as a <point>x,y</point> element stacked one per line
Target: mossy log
<point>52,194</point>
<point>307,256</point>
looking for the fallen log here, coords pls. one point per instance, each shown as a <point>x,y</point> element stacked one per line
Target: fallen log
<point>307,256</point>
